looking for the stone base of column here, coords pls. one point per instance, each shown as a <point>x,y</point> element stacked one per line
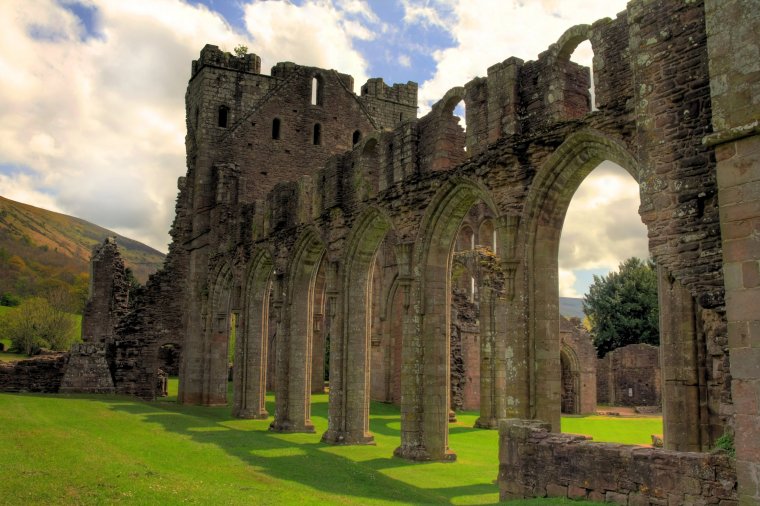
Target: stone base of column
<point>252,414</point>
<point>347,438</point>
<point>420,453</point>
<point>486,422</point>
<point>288,426</point>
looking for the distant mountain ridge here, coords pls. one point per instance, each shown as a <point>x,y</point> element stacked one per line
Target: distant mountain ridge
<point>36,242</point>
<point>571,307</point>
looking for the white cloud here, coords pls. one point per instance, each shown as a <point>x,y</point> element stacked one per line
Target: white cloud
<point>489,31</point>
<point>316,34</point>
<point>404,60</point>
<point>567,279</point>
<point>602,226</point>
<point>95,125</point>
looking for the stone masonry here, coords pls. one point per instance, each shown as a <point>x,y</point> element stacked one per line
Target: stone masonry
<point>298,192</point>
<point>630,376</point>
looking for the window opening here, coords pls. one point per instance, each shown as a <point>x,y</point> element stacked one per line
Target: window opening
<point>357,137</point>
<point>317,140</point>
<point>316,91</point>
<point>276,128</point>
<point>223,114</point>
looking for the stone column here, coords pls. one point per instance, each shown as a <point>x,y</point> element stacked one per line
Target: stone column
<point>733,43</point>
<point>488,417</point>
<point>336,417</point>
<point>684,425</point>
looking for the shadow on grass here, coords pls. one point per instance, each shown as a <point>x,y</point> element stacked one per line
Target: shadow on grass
<point>302,457</point>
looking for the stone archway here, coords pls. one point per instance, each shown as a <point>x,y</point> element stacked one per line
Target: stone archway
<point>351,335</point>
<point>570,376</point>
<point>249,374</point>
<point>545,209</point>
<point>425,386</point>
<point>295,327</point>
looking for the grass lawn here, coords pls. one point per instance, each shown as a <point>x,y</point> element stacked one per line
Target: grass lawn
<point>81,449</point>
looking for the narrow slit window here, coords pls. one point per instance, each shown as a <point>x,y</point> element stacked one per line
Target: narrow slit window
<point>356,138</point>
<point>223,116</point>
<point>317,140</point>
<point>316,90</point>
<point>276,128</point>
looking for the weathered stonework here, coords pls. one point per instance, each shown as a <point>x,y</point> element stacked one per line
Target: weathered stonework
<point>578,368</point>
<point>308,211</point>
<point>630,376</point>
<point>87,371</point>
<point>42,373</point>
<point>534,462</point>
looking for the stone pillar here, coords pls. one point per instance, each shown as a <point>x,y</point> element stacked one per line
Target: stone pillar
<point>249,400</point>
<point>493,383</point>
<point>487,418</point>
<point>733,43</point>
<point>681,352</point>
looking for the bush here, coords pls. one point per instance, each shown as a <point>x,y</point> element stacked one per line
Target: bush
<point>35,324</point>
<point>9,300</point>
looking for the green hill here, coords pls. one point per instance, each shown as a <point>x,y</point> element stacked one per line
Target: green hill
<point>41,250</point>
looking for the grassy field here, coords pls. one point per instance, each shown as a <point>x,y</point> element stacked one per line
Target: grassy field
<point>108,449</point>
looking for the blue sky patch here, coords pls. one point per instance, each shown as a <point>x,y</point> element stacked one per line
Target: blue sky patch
<point>87,15</point>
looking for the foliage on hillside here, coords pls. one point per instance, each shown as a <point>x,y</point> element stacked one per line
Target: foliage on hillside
<point>42,251</point>
<point>623,308</point>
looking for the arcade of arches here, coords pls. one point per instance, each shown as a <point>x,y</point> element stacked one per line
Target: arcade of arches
<point>359,240</point>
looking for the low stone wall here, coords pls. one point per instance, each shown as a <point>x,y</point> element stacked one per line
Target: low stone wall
<point>37,374</point>
<point>534,462</point>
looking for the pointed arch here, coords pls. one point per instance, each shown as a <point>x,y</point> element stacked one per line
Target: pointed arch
<point>544,213</point>
<point>350,344</point>
<point>249,374</point>
<point>293,368</point>
<point>218,321</point>
<point>425,404</point>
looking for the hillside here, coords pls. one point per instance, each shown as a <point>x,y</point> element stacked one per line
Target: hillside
<point>570,306</point>
<point>41,249</point>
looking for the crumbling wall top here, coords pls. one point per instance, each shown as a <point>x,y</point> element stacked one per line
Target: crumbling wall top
<point>402,93</point>
<point>214,57</point>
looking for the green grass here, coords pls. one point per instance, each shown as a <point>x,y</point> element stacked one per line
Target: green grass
<point>615,429</point>
<point>80,449</point>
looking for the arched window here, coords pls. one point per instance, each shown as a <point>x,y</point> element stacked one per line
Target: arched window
<point>276,128</point>
<point>316,90</point>
<point>223,115</point>
<point>317,139</point>
<point>357,137</point>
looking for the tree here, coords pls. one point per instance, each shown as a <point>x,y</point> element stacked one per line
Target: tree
<point>241,51</point>
<point>622,307</point>
<point>35,324</point>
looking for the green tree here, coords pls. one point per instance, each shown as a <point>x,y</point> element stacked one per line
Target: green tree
<point>241,51</point>
<point>622,307</point>
<point>35,324</point>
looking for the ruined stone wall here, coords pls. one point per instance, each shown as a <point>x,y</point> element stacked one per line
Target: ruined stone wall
<point>389,105</point>
<point>39,374</point>
<point>630,376</point>
<point>534,462</point>
<point>579,369</point>
<point>108,298</point>
<point>733,30</point>
<point>465,353</point>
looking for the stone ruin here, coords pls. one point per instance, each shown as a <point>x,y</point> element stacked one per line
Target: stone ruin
<point>630,376</point>
<point>311,214</point>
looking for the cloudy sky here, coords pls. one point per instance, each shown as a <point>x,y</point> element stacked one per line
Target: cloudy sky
<point>92,94</point>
